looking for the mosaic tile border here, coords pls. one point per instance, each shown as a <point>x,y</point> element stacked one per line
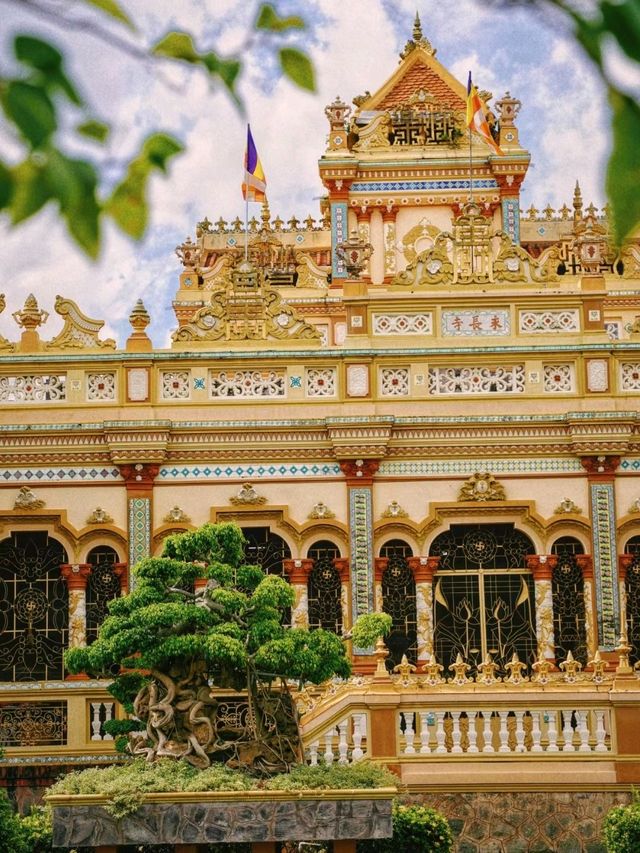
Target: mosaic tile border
<point>60,475</point>
<point>361,536</point>
<point>339,233</point>
<point>466,467</point>
<point>604,564</point>
<point>511,218</point>
<point>139,531</point>
<point>256,471</point>
<point>408,186</point>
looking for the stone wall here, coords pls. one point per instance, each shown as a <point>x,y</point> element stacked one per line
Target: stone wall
<point>526,822</point>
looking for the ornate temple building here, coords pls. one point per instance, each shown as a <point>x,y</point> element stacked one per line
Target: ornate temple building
<point>423,402</point>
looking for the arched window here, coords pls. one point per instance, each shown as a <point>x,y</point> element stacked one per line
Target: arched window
<point>265,549</point>
<point>34,607</point>
<point>633,598</point>
<point>567,587</point>
<point>324,588</point>
<point>103,585</point>
<point>399,601</point>
<point>484,600</point>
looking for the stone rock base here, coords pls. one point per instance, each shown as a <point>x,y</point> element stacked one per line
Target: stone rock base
<point>526,822</point>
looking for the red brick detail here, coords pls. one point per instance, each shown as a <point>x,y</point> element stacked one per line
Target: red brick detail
<point>420,76</point>
<point>341,565</point>
<point>625,561</point>
<point>75,575</point>
<point>298,570</point>
<point>379,567</point>
<point>585,562</point>
<point>600,467</point>
<point>541,565</point>
<point>423,568</point>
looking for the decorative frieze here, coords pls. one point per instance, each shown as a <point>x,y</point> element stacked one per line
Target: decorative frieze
<point>630,376</point>
<point>540,322</point>
<point>558,378</point>
<point>357,380</point>
<point>475,323</point>
<point>101,386</point>
<point>597,375</point>
<point>321,381</point>
<point>402,324</point>
<point>444,381</point>
<point>394,382</point>
<point>250,384</point>
<point>174,384</point>
<point>33,388</point>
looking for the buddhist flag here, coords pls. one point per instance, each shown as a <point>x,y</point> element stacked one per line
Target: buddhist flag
<point>476,119</point>
<point>255,183</point>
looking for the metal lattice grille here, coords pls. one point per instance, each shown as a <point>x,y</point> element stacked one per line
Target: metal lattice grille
<point>103,585</point>
<point>34,608</point>
<point>399,601</point>
<point>567,586</point>
<point>33,723</point>
<point>324,588</point>
<point>633,598</point>
<point>267,550</point>
<point>484,600</point>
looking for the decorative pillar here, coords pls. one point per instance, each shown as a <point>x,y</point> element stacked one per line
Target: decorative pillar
<point>625,561</point>
<point>601,473</point>
<point>380,565</point>
<point>359,474</point>
<point>585,562</point>
<point>139,480</point>
<point>542,566</point>
<point>389,239</point>
<point>423,569</point>
<point>363,216</point>
<point>341,565</point>
<point>76,576</point>
<point>298,574</point>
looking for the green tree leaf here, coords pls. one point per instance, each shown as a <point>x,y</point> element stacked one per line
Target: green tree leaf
<point>158,148</point>
<point>110,7</point>
<point>268,19</point>
<point>177,46</point>
<point>30,191</point>
<point>623,172</point>
<point>73,183</point>
<point>30,109</point>
<point>298,68</point>
<point>6,185</point>
<point>37,53</point>
<point>94,129</point>
<point>622,20</point>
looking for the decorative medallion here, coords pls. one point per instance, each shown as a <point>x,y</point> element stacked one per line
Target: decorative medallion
<point>567,505</point>
<point>99,516</point>
<point>248,495</point>
<point>482,487</point>
<point>176,514</point>
<point>27,500</point>
<point>321,511</point>
<point>394,510</point>
<point>635,506</point>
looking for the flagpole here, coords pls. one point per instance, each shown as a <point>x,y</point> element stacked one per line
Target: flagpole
<point>246,228</point>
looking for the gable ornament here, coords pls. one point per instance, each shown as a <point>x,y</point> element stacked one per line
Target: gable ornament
<point>482,487</point>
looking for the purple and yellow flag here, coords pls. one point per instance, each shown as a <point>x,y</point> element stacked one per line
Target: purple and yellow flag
<point>476,118</point>
<point>255,183</point>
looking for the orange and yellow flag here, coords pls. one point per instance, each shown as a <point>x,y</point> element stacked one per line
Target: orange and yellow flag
<point>476,119</point>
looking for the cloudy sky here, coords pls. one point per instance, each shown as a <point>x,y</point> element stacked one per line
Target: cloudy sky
<point>354,46</point>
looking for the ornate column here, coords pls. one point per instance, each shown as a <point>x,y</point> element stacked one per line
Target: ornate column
<point>379,568</point>
<point>298,574</point>
<point>542,566</point>
<point>601,473</point>
<point>625,561</point>
<point>76,576</point>
<point>423,569</point>
<point>139,479</point>
<point>585,562</point>
<point>359,474</point>
<point>363,216</point>
<point>342,567</point>
<point>389,238</point>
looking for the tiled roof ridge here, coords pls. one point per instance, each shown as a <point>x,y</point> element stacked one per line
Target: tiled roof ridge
<point>420,76</point>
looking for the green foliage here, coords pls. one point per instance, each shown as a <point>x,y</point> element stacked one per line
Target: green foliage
<point>11,835</point>
<point>361,774</point>
<point>415,828</point>
<point>369,627</point>
<point>622,829</point>
<point>37,830</point>
<point>42,99</point>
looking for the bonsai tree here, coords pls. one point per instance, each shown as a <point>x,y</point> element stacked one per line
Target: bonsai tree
<point>198,653</point>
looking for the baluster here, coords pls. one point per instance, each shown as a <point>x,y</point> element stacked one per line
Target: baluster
<point>552,732</point>
<point>567,732</point>
<point>472,732</point>
<point>357,752</point>
<point>520,747</point>
<point>343,746</point>
<point>95,722</point>
<point>313,753</point>
<point>583,731</point>
<point>328,747</point>
<point>440,733</point>
<point>409,734</point>
<point>108,715</point>
<point>601,732</point>
<point>424,732</point>
<point>487,733</point>
<point>504,732</point>
<point>536,746</point>
<point>456,734</point>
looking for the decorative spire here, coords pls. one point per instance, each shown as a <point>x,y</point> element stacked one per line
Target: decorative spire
<point>31,316</point>
<point>265,215</point>
<point>418,40</point>
<point>577,203</point>
<point>139,318</point>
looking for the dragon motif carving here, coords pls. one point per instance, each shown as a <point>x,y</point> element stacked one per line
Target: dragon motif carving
<point>79,331</point>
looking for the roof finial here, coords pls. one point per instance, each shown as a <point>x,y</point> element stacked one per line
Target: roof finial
<point>577,203</point>
<point>417,29</point>
<point>418,40</point>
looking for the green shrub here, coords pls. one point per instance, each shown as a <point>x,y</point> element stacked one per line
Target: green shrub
<point>37,830</point>
<point>415,828</point>
<point>622,829</point>
<point>362,774</point>
<point>11,834</point>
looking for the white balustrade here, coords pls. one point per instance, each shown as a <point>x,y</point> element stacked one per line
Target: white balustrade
<point>344,742</point>
<point>101,713</point>
<point>499,731</point>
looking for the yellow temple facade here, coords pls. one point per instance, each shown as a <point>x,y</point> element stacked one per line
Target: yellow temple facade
<point>423,402</point>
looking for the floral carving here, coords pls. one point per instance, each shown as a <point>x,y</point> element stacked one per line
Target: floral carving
<point>394,510</point>
<point>321,511</point>
<point>27,500</point>
<point>567,505</point>
<point>482,487</point>
<point>176,514</point>
<point>99,516</point>
<point>79,331</point>
<point>248,495</point>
